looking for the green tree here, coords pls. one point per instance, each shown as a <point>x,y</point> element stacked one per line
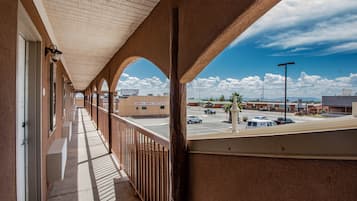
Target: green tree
<point>222,98</point>
<point>227,107</point>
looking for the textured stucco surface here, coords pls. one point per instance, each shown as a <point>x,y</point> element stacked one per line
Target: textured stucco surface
<point>8,40</point>
<point>226,178</point>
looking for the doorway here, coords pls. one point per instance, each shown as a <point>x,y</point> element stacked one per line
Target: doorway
<point>28,120</point>
<point>28,110</point>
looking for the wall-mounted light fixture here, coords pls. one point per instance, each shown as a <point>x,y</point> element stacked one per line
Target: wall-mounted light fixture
<point>55,53</point>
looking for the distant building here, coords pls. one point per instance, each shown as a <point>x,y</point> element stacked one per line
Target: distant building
<point>339,104</point>
<point>143,106</point>
<point>129,92</point>
<point>208,104</point>
<point>270,106</point>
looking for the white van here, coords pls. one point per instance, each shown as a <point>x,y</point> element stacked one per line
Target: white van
<point>259,123</point>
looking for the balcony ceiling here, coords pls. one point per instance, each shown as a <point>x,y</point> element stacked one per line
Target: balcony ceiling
<point>89,32</point>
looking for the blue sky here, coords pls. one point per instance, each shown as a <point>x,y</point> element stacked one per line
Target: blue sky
<point>319,35</point>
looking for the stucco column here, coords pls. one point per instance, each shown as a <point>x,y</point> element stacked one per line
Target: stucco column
<point>178,144</point>
<point>98,98</point>
<point>110,111</point>
<point>8,41</point>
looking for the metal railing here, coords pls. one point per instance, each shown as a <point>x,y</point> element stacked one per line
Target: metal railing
<point>144,156</point>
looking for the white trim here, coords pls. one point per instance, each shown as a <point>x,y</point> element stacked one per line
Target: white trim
<point>25,26</point>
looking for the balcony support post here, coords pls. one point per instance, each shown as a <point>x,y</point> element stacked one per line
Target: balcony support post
<point>110,111</point>
<point>90,104</point>
<point>98,110</point>
<point>178,144</point>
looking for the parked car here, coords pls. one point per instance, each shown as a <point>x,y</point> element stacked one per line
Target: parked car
<point>259,123</point>
<point>210,111</point>
<point>281,120</point>
<point>261,117</point>
<point>193,119</point>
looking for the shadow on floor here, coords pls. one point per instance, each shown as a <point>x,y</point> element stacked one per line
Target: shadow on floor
<point>90,170</point>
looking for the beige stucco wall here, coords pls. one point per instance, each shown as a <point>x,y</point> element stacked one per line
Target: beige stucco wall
<point>132,106</point>
<point>227,178</point>
<point>8,40</point>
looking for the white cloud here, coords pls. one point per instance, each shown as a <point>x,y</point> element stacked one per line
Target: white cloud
<point>345,47</point>
<point>151,85</point>
<point>335,30</point>
<point>124,75</point>
<point>250,87</point>
<point>321,21</point>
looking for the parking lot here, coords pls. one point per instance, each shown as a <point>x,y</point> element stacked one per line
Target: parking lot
<point>214,123</point>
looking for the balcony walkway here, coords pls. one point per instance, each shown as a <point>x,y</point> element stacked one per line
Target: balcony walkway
<point>90,170</point>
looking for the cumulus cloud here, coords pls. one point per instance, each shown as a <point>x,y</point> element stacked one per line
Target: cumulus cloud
<point>252,86</point>
<point>150,85</point>
<point>124,75</point>
<point>305,85</point>
<point>296,24</point>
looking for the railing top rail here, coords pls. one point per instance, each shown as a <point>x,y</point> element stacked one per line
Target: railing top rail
<point>156,137</point>
<point>102,108</point>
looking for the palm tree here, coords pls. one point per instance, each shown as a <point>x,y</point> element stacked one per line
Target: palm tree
<point>227,107</point>
<point>221,98</point>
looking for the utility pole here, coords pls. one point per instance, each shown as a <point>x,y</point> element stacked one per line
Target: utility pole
<point>262,98</point>
<point>285,65</point>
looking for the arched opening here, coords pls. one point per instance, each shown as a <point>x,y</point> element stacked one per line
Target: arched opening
<point>94,95</point>
<point>142,95</point>
<point>79,99</point>
<point>314,37</point>
<point>103,94</point>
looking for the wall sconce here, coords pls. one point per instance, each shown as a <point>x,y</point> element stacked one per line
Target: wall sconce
<point>55,53</point>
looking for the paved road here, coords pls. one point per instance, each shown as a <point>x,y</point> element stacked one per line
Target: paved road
<point>212,123</point>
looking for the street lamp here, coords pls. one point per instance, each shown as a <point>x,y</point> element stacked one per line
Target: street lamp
<point>285,65</point>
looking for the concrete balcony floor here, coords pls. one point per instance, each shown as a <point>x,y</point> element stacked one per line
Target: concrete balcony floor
<point>90,170</point>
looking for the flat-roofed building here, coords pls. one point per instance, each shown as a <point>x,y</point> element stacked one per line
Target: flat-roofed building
<point>142,106</point>
<point>339,104</point>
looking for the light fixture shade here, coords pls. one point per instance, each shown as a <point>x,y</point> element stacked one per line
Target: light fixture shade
<point>55,53</point>
<point>56,57</point>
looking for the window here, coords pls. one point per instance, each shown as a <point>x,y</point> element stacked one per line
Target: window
<point>162,107</point>
<point>52,97</point>
<point>143,108</point>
